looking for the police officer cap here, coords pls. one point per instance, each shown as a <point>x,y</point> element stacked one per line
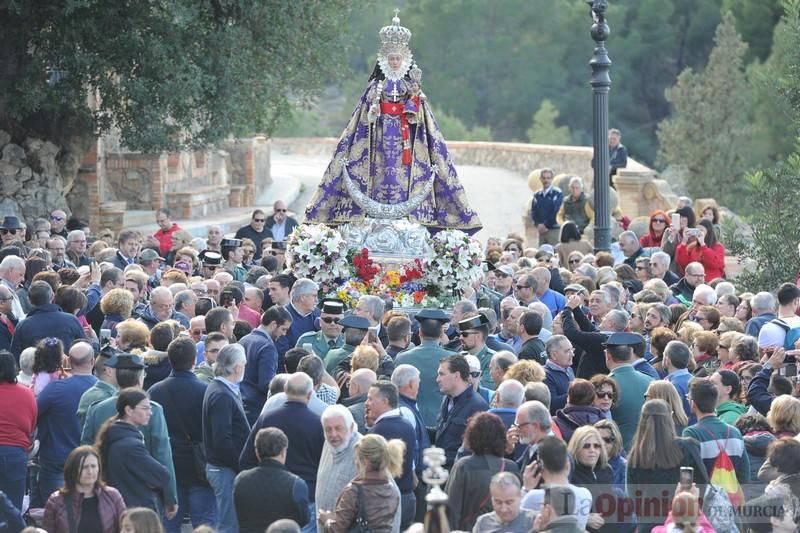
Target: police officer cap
<point>473,323</point>
<point>125,360</point>
<point>623,339</point>
<point>233,243</point>
<point>433,314</point>
<point>332,306</point>
<point>355,322</point>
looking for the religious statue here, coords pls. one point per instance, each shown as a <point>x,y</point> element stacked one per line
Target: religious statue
<point>391,161</point>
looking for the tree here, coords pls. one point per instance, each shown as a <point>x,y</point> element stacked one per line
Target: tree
<point>165,75</point>
<point>708,129</point>
<point>755,22</point>
<point>544,129</point>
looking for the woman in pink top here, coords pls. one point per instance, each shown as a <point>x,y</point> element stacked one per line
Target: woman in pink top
<point>16,427</point>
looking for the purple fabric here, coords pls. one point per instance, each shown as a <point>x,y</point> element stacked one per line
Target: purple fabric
<point>375,154</point>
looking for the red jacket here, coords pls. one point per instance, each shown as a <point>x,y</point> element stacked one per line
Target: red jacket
<point>712,258</point>
<point>110,507</point>
<point>164,238</point>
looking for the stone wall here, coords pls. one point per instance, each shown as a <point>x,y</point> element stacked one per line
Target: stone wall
<point>31,184</point>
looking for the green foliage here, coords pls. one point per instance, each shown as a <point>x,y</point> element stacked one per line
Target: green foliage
<point>455,130</point>
<point>771,250</point>
<point>165,74</point>
<point>707,129</point>
<point>755,22</point>
<point>543,130</point>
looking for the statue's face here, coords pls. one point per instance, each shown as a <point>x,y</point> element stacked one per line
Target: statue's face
<point>395,60</point>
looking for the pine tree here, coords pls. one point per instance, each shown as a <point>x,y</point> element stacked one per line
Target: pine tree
<point>543,130</point>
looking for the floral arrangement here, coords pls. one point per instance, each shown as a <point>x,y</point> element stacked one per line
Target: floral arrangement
<point>320,253</point>
<point>454,262</point>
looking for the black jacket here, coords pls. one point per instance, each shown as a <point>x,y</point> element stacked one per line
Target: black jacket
<point>452,424</point>
<point>267,493</point>
<point>181,396</point>
<point>129,467</point>
<point>46,321</point>
<point>585,337</point>
<point>225,427</point>
<point>572,417</point>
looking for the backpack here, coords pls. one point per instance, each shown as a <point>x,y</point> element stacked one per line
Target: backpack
<point>792,334</point>
<point>723,474</point>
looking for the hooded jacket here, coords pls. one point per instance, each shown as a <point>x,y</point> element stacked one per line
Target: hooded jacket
<point>729,411</point>
<point>650,239</point>
<point>572,417</point>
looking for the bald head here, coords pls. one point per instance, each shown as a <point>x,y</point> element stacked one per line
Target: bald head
<point>361,380</point>
<point>542,277</point>
<point>81,357</point>
<point>299,387</point>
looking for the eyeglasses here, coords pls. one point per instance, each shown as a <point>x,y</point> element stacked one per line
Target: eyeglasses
<point>55,218</point>
<point>659,220</point>
<point>330,319</point>
<point>6,299</point>
<point>280,210</point>
<point>590,445</point>
<point>259,220</point>
<point>521,425</point>
<point>522,286</point>
<point>468,333</point>
<point>607,395</point>
<point>574,261</point>
<point>475,374</point>
<point>6,231</point>
<point>609,440</point>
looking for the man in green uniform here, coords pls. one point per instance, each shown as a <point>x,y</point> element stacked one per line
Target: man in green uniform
<point>233,254</point>
<point>474,329</point>
<point>106,384</point>
<point>329,335</point>
<point>425,358</point>
<point>354,329</point>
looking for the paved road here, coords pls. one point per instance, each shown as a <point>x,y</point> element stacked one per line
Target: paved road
<point>498,195</point>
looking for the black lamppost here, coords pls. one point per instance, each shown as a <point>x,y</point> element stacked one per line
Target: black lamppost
<point>601,83</point>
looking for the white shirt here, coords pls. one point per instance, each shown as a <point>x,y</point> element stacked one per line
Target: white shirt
<point>583,502</point>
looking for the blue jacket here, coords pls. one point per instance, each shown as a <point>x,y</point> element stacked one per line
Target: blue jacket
<point>422,437</point>
<point>262,365</point>
<point>397,427</point>
<point>681,378</point>
<point>757,394</point>
<point>641,365</point>
<point>545,208</point>
<point>453,422</point>
<point>303,428</point>
<point>554,301</point>
<point>58,423</point>
<point>46,321</point>
<point>557,380</point>
<point>181,395</point>
<point>300,324</point>
<point>225,426</point>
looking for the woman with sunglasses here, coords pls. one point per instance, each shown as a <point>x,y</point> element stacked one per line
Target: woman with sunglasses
<point>591,470</point>
<point>655,230</point>
<point>655,459</point>
<point>606,393</point>
<point>612,440</point>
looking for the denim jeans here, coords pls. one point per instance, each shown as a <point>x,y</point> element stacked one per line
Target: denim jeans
<point>221,480</point>
<point>51,478</point>
<point>196,501</point>
<point>13,470</point>
<point>311,527</point>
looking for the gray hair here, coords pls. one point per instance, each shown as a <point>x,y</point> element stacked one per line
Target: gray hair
<point>619,319</point>
<point>613,293</point>
<point>299,385</point>
<point>75,233</point>
<point>510,393</point>
<point>604,294</point>
<point>363,378</point>
<point>628,236</point>
<point>404,374</point>
<point>12,262</point>
<point>661,258</point>
<point>762,301</point>
<point>587,270</point>
<point>543,311</point>
<point>576,180</point>
<point>554,343</point>
<point>338,411</point>
<point>183,297</point>
<point>535,412</point>
<point>605,274</point>
<point>705,294</point>
<point>26,360</point>
<point>724,287</point>
<point>229,356</point>
<point>374,306</point>
<point>664,312</point>
<point>505,480</point>
<point>465,306</point>
<point>491,316</point>
<point>504,359</point>
<point>684,201</point>
<point>302,287</point>
<point>538,391</point>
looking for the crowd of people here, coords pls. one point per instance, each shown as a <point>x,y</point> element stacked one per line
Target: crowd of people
<point>150,381</point>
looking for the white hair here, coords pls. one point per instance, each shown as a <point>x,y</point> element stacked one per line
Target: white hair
<point>762,301</point>
<point>340,411</point>
<point>724,287</point>
<point>576,180</point>
<point>229,356</point>
<point>302,287</point>
<point>12,261</point>
<point>404,374</point>
<point>662,258</point>
<point>705,294</point>
<point>510,393</point>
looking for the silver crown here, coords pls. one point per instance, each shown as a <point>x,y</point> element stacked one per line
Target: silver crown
<point>395,34</point>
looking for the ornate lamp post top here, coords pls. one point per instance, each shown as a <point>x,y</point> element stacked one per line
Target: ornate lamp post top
<point>600,29</point>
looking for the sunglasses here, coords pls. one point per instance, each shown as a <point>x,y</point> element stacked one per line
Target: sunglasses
<point>574,261</point>
<point>607,395</point>
<point>280,210</point>
<point>259,220</point>
<point>6,231</point>
<point>57,219</point>
<point>330,319</point>
<point>659,220</point>
<point>475,374</point>
<point>609,440</point>
<point>522,286</point>
<point>590,445</point>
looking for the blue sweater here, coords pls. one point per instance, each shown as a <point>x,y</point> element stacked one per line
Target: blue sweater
<point>545,207</point>
<point>225,427</point>
<point>397,427</point>
<point>58,423</point>
<point>262,364</point>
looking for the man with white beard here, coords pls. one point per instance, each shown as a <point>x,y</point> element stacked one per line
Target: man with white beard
<point>337,466</point>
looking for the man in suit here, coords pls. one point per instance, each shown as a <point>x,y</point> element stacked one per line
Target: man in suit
<point>586,338</point>
<point>127,249</point>
<point>460,403</point>
<point>279,223</point>
<point>425,358</point>
<point>545,206</point>
<point>619,358</point>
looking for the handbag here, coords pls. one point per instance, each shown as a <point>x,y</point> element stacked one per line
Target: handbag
<point>361,523</point>
<point>197,448</point>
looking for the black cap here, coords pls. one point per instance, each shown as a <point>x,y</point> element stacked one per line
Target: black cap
<point>473,323</point>
<point>332,306</point>
<point>125,360</point>
<point>233,243</point>
<point>623,339</point>
<point>355,322</point>
<point>433,314</point>
<point>11,222</point>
